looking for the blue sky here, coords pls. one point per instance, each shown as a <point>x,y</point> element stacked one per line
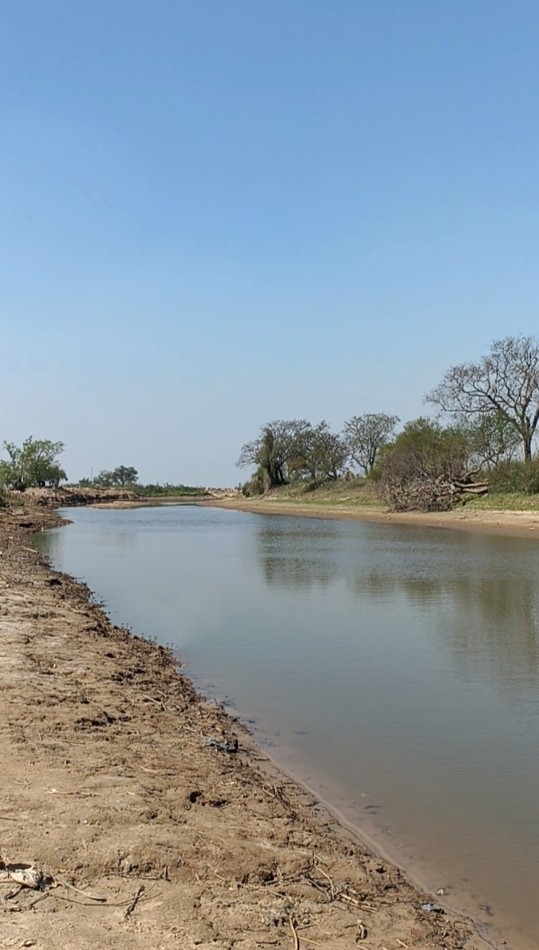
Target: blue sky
<point>214,214</point>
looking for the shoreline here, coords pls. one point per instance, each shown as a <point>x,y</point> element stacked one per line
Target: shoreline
<point>513,523</point>
<point>99,723</point>
<point>522,524</point>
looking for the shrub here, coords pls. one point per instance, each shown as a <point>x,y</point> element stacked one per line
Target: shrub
<point>513,476</point>
<point>257,485</point>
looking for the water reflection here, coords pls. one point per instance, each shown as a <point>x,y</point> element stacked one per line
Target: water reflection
<point>495,620</point>
<point>480,614</point>
<point>378,583</point>
<point>480,594</point>
<point>291,559</point>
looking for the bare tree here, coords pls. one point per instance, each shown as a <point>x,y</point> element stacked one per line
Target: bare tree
<point>505,381</point>
<point>365,435</point>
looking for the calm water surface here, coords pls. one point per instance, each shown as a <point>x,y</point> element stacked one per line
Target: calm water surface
<point>394,669</point>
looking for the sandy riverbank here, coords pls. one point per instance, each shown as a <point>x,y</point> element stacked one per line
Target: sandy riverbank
<point>514,523</point>
<point>146,835</point>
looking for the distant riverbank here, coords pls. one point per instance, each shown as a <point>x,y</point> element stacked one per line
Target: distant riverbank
<point>508,522</point>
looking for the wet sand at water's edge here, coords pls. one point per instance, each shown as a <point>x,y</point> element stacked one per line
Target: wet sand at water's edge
<point>146,834</point>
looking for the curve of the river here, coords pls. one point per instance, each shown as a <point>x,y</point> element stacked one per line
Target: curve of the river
<point>393,669</point>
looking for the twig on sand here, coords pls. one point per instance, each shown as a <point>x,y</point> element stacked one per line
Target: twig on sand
<point>313,943</point>
<point>93,897</point>
<point>333,893</point>
<point>362,932</point>
<point>294,931</point>
<point>157,702</point>
<point>349,900</point>
<point>134,902</point>
<point>68,900</point>
<point>331,884</point>
<point>105,906</point>
<point>10,897</point>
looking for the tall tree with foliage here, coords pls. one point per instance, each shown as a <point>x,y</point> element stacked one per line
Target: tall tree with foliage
<point>278,445</point>
<point>33,464</point>
<point>504,381</point>
<point>366,435</point>
<point>323,454</point>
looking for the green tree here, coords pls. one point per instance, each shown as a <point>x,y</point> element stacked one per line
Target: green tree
<point>323,454</point>
<point>427,467</point>
<point>493,439</point>
<point>34,464</point>
<point>366,435</point>
<point>505,381</point>
<point>118,477</point>
<point>277,448</point>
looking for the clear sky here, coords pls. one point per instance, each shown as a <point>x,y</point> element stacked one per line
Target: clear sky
<point>215,213</point>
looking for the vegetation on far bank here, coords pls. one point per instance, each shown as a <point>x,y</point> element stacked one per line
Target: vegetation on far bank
<point>362,494</point>
<point>340,493</point>
<point>170,491</point>
<point>480,443</point>
<point>477,450</point>
<point>127,477</point>
<point>36,464</point>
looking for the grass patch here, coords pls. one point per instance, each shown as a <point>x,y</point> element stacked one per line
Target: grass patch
<point>361,493</point>
<point>498,501</point>
<point>170,491</point>
<point>332,494</point>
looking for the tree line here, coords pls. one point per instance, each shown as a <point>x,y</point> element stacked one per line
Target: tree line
<point>294,449</point>
<point>123,476</point>
<point>483,431</point>
<point>36,464</point>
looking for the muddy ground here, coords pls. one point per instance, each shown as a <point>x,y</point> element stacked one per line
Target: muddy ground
<point>146,835</point>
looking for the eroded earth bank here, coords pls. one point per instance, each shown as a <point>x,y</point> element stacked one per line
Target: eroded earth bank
<point>143,833</point>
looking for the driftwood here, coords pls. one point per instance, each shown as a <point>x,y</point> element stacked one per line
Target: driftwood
<point>424,493</point>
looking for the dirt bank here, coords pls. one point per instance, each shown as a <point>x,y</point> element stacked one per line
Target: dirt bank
<point>147,834</point>
<point>71,497</point>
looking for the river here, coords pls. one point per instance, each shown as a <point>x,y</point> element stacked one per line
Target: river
<point>393,669</point>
